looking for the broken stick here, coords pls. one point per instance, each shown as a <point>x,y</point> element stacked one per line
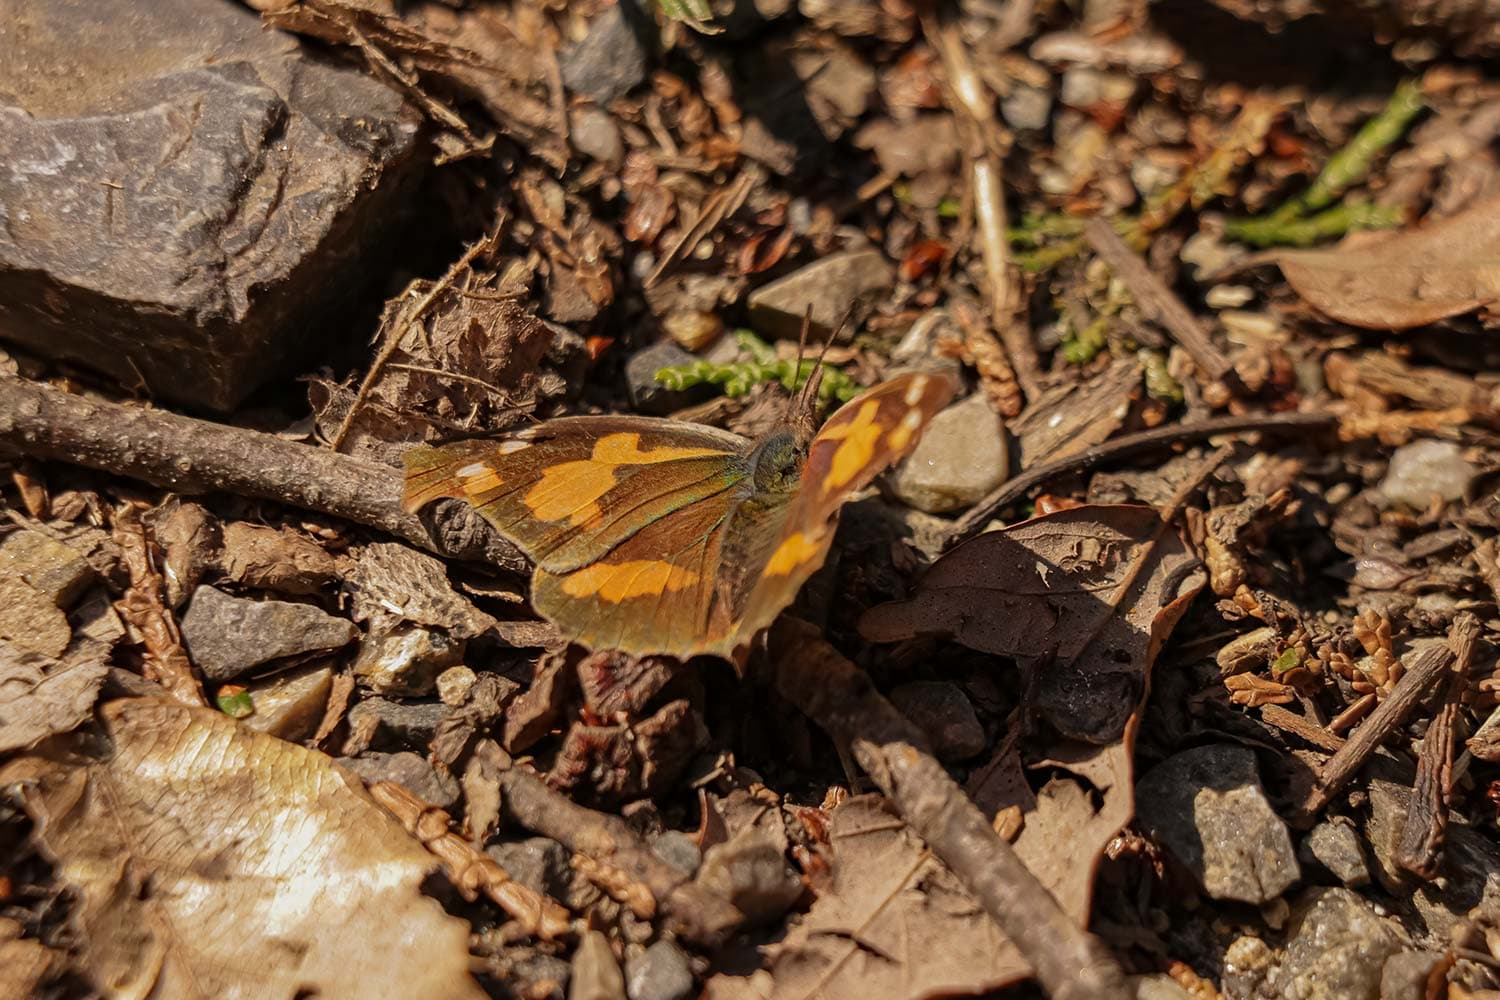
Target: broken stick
<point>1155,299</point>
<point>1069,962</point>
<point>198,456</point>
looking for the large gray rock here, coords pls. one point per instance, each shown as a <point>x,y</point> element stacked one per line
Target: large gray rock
<point>830,286</point>
<point>1207,808</point>
<point>227,637</point>
<point>613,57</point>
<point>184,193</point>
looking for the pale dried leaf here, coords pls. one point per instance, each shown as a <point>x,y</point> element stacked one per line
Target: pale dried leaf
<point>1418,276</point>
<point>26,965</point>
<point>41,696</point>
<point>30,618</point>
<point>1086,595</point>
<point>213,861</point>
<point>393,583</point>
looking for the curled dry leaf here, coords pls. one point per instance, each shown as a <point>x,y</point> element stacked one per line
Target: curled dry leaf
<point>212,860</point>
<point>1418,276</point>
<point>1085,597</point>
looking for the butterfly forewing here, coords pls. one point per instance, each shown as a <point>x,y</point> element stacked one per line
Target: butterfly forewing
<point>864,438</point>
<point>571,490</point>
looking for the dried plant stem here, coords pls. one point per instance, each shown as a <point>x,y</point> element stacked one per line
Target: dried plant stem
<point>613,856</point>
<point>402,323</point>
<point>1421,849</point>
<point>1155,300</point>
<point>471,870</point>
<point>1068,961</point>
<point>974,105</point>
<point>197,456</point>
<point>1017,487</point>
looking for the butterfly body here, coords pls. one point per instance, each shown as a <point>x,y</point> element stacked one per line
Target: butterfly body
<point>659,536</point>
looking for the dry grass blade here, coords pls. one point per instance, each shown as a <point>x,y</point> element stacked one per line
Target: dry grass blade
<point>212,860</point>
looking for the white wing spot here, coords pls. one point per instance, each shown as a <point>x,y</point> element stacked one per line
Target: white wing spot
<point>912,421</point>
<point>470,471</point>
<point>915,390</point>
<point>513,446</point>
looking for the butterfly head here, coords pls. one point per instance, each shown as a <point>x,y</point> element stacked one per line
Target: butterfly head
<point>777,462</point>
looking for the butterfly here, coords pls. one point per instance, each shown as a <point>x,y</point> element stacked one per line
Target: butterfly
<point>652,535</point>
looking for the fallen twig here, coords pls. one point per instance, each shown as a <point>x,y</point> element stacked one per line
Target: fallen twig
<point>1156,300</point>
<point>1068,961</point>
<point>1421,849</point>
<point>197,456</point>
<point>1015,488</point>
<point>615,857</point>
<point>471,870</point>
<point>1414,685</point>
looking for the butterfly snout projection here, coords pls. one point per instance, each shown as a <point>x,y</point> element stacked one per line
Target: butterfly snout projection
<point>660,536</point>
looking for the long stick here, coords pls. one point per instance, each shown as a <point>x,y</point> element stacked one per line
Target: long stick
<point>1069,962</point>
<point>197,456</point>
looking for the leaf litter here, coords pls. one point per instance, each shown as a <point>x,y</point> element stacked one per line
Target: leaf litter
<point>597,222</point>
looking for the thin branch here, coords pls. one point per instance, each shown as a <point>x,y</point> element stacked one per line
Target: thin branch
<point>1414,685</point>
<point>1155,299</point>
<point>981,513</point>
<point>1421,848</point>
<point>197,456</point>
<point>1069,962</point>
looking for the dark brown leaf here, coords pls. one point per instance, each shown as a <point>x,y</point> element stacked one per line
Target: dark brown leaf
<point>1085,597</point>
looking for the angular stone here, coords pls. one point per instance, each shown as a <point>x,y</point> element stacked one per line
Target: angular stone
<point>538,863</point>
<point>1424,469</point>
<point>186,193</point>
<point>58,571</point>
<point>829,286</point>
<point>962,456</point>
<point>1207,808</point>
<point>613,57</point>
<point>228,637</point>
<point>648,395</point>
<point>1335,845</point>
<point>945,715</point>
<point>406,660</point>
<point>1336,948</point>
<point>410,771</point>
<point>380,723</point>
<point>661,972</point>
<point>290,706</point>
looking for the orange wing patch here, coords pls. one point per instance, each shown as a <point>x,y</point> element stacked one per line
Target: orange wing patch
<point>616,582</point>
<point>796,549</point>
<point>858,439</point>
<point>572,490</point>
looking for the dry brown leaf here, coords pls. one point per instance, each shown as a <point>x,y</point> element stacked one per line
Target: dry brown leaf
<point>1084,596</point>
<point>30,618</point>
<point>210,860</point>
<point>26,965</point>
<point>897,925</point>
<point>41,696</point>
<point>1418,276</point>
<point>1253,692</point>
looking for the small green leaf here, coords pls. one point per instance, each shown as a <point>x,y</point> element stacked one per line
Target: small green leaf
<point>1290,659</point>
<point>234,701</point>
<point>694,13</point>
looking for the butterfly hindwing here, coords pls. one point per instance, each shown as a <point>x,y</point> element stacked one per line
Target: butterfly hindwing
<point>571,490</point>
<point>865,437</point>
